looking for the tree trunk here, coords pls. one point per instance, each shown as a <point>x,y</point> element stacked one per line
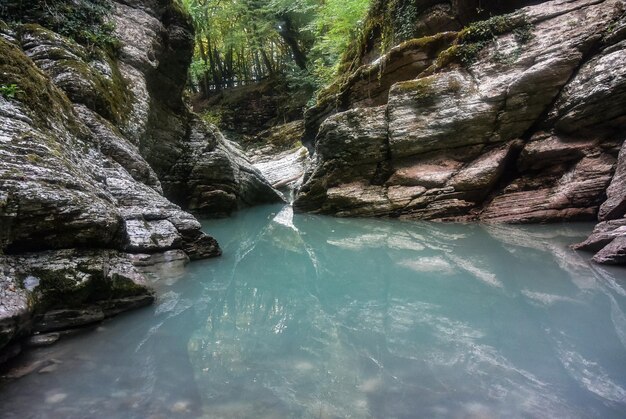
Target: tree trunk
<point>204,86</point>
<point>267,62</point>
<point>290,36</point>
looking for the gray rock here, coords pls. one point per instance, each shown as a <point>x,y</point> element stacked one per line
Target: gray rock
<point>42,340</point>
<point>55,320</point>
<point>615,205</point>
<point>613,253</point>
<point>214,177</point>
<point>15,309</point>
<point>603,234</point>
<point>526,131</point>
<point>608,237</point>
<point>593,97</point>
<point>279,155</point>
<point>74,288</point>
<point>116,306</point>
<point>149,260</point>
<point>371,69</point>
<point>87,148</point>
<point>352,146</point>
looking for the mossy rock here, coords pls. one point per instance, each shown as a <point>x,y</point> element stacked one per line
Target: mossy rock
<point>280,138</point>
<point>79,287</point>
<point>106,94</point>
<point>41,100</point>
<point>429,45</point>
<point>475,37</point>
<point>85,21</point>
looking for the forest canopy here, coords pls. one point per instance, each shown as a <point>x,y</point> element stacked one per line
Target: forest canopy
<point>240,42</point>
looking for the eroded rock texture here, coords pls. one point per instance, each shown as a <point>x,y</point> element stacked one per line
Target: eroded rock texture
<point>95,146</point>
<point>522,125</point>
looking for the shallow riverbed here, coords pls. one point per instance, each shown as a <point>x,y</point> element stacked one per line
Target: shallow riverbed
<point>316,317</point>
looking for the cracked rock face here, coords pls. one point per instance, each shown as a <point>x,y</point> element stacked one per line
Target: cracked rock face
<point>93,147</point>
<point>529,131</point>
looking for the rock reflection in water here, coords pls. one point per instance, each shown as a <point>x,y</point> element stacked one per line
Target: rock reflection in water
<point>391,318</point>
<point>308,317</point>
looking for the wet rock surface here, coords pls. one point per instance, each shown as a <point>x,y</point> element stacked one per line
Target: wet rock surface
<point>215,177</point>
<point>279,155</point>
<point>528,129</point>
<point>95,145</point>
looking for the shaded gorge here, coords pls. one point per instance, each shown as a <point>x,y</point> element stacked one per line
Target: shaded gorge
<point>316,317</point>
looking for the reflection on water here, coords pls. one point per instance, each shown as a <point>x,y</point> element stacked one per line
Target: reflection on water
<point>315,317</point>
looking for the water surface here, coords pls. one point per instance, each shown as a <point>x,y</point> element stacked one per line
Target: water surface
<point>316,317</point>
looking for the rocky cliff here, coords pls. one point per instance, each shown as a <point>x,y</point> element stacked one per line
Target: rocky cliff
<point>97,152</point>
<point>518,118</point>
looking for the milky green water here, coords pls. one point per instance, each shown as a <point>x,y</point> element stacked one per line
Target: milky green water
<point>315,317</point>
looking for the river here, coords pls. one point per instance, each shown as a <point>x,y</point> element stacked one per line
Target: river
<point>315,317</point>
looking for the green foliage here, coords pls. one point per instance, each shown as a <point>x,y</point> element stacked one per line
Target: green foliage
<point>478,35</point>
<point>405,15</point>
<point>244,41</point>
<point>9,91</point>
<point>338,22</point>
<point>84,21</point>
<point>524,33</point>
<point>212,117</point>
<point>386,24</point>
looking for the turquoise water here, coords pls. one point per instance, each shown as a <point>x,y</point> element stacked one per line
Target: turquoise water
<point>315,317</point>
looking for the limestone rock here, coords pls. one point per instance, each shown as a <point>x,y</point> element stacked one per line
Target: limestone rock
<point>198,169</point>
<point>524,125</point>
<point>574,195</point>
<point>15,310</point>
<point>91,150</point>
<point>615,205</point>
<point>418,31</point>
<point>614,253</point>
<point>353,146</point>
<point>60,289</point>
<point>279,155</point>
<point>608,237</point>
<point>603,234</point>
<point>594,96</point>
<point>214,177</point>
<point>67,319</point>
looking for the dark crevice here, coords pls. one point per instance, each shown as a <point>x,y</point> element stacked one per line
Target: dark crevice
<point>384,169</point>
<point>511,171</point>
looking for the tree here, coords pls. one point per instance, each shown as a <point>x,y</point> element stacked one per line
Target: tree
<point>244,41</point>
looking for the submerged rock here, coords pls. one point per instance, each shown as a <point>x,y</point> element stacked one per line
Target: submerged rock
<point>45,339</point>
<point>516,119</point>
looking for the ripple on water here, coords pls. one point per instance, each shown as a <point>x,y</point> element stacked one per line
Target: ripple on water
<point>315,317</point>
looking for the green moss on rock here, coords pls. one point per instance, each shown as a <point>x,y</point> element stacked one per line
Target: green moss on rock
<point>429,45</point>
<point>36,91</point>
<point>71,288</point>
<point>110,97</point>
<point>475,37</point>
<point>85,21</point>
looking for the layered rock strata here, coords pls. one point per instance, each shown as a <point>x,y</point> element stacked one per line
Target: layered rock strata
<point>517,119</point>
<point>95,146</point>
<point>280,156</point>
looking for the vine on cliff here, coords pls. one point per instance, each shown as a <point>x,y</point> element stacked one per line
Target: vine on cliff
<point>475,37</point>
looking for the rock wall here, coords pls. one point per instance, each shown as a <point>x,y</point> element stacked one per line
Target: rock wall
<point>93,145</point>
<point>252,108</point>
<point>516,119</point>
<point>400,40</point>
